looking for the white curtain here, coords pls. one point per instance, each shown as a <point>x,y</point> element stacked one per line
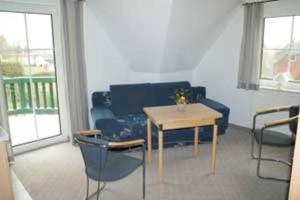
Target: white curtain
<point>72,11</point>
<point>4,119</point>
<point>250,57</point>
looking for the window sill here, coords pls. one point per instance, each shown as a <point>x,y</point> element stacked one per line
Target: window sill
<point>284,91</point>
<point>288,88</point>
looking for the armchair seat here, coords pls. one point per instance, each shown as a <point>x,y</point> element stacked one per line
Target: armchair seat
<point>117,166</point>
<point>274,138</point>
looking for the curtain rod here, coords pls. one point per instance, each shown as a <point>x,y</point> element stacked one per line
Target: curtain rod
<point>265,1</point>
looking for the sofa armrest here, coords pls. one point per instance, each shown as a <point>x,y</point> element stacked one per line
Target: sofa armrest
<point>101,112</point>
<point>199,93</point>
<point>223,122</point>
<point>216,106</point>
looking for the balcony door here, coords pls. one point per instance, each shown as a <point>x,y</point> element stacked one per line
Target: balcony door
<point>28,67</point>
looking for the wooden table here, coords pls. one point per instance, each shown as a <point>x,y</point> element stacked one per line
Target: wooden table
<point>168,118</point>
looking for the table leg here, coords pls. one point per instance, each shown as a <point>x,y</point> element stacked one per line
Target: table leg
<point>160,156</point>
<point>196,142</point>
<point>214,149</point>
<point>149,140</point>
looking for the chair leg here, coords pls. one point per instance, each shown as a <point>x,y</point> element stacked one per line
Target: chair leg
<point>144,181</point>
<point>259,156</point>
<point>144,172</point>
<point>253,135</point>
<point>98,190</point>
<point>252,145</point>
<point>262,158</point>
<point>87,188</point>
<point>259,159</point>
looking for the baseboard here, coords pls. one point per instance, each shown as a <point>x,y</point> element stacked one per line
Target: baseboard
<point>239,127</point>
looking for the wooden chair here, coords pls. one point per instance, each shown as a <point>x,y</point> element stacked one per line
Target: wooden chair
<point>265,136</point>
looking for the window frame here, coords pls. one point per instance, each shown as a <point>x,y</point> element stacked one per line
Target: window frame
<point>267,82</point>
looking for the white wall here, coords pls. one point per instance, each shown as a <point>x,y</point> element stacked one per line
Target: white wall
<point>193,26</point>
<point>105,44</point>
<point>106,65</point>
<point>152,37</point>
<point>218,71</point>
<point>137,77</point>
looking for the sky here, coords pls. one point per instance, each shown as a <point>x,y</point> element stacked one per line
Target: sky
<point>12,26</point>
<point>278,32</point>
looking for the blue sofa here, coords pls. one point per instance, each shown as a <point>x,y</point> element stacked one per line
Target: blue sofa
<point>119,112</point>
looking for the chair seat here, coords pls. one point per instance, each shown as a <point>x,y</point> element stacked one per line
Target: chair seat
<point>274,138</point>
<point>116,167</point>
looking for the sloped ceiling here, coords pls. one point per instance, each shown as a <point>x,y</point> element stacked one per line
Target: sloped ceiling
<point>158,36</point>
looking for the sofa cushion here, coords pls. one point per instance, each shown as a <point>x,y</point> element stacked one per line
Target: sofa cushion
<point>101,112</point>
<point>198,93</point>
<point>163,92</point>
<point>131,98</point>
<point>123,128</point>
<point>112,129</point>
<point>101,99</point>
<point>136,123</point>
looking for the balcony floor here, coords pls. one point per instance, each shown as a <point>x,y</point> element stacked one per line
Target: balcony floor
<point>24,130</point>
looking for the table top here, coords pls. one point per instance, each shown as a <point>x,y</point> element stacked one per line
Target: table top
<point>168,117</point>
<point>3,135</point>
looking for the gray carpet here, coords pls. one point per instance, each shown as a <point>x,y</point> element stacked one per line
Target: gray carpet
<point>57,173</point>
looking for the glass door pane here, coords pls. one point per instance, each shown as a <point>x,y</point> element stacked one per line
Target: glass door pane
<point>16,83</point>
<point>17,88</point>
<point>44,77</point>
<point>12,31</point>
<point>28,67</point>
<point>39,29</point>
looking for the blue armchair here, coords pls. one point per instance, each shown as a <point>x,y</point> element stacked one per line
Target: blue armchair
<point>105,161</point>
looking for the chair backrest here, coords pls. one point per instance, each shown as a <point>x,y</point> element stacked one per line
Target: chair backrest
<point>94,152</point>
<point>294,111</point>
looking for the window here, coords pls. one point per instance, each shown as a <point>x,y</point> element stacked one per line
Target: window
<point>281,54</point>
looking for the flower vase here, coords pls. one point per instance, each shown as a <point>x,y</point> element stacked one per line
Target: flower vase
<point>180,107</point>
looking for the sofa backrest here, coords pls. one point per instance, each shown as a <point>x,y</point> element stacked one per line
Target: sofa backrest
<point>164,93</point>
<point>131,98</point>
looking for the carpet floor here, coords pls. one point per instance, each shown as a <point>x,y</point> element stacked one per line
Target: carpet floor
<point>57,173</point>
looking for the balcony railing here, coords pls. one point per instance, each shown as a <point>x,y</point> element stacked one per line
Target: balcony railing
<point>30,94</point>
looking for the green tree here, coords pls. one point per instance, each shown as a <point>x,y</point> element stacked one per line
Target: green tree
<point>3,42</point>
<point>8,66</point>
